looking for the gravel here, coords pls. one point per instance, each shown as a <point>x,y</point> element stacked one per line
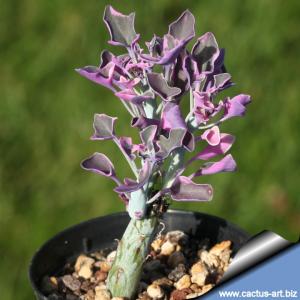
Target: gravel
<point>179,267</point>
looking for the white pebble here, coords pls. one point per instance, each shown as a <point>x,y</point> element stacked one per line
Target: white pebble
<point>209,259</point>
<point>193,295</point>
<point>167,248</point>
<point>183,283</point>
<point>199,273</point>
<point>175,236</point>
<point>219,248</point>
<point>156,244</point>
<point>155,291</point>
<point>102,294</point>
<point>83,266</point>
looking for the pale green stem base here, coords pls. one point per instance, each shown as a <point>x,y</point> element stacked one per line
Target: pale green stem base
<point>124,276</point>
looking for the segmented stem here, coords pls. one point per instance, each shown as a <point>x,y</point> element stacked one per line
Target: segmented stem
<point>124,276</point>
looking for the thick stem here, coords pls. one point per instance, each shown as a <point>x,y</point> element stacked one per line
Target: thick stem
<point>124,276</point>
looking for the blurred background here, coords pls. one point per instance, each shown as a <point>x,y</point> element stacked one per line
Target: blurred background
<point>46,114</point>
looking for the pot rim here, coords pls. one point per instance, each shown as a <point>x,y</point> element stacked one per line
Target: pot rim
<point>35,286</point>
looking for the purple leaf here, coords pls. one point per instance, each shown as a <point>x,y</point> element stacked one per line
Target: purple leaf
<point>121,27</point>
<point>100,164</point>
<point>143,122</point>
<point>148,134</point>
<point>221,79</point>
<point>131,96</point>
<point>226,164</point>
<point>171,117</point>
<point>189,141</point>
<point>129,181</point>
<point>155,46</point>
<point>171,50</point>
<point>203,107</point>
<point>242,98</point>
<point>184,27</point>
<point>219,62</point>
<point>103,127</point>
<point>168,144</point>
<point>184,189</point>
<point>127,146</point>
<point>106,58</point>
<point>190,69</point>
<point>100,76</point>
<point>209,152</point>
<point>160,86</point>
<point>137,69</point>
<point>131,185</point>
<point>236,107</point>
<point>202,100</point>
<point>125,83</point>
<point>180,76</point>
<point>104,73</point>
<point>181,31</point>
<point>212,136</point>
<point>217,82</point>
<point>140,148</point>
<point>110,73</point>
<point>205,52</point>
<point>145,171</point>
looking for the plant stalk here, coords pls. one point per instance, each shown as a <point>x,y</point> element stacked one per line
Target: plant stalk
<point>124,276</point>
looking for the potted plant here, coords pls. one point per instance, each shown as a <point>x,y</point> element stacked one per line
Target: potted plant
<point>153,85</point>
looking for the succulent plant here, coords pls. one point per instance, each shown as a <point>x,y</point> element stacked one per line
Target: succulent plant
<point>153,84</point>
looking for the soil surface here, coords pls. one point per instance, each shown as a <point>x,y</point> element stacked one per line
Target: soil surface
<point>178,267</point>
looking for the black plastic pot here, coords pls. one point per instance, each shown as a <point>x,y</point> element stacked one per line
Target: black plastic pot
<point>99,233</point>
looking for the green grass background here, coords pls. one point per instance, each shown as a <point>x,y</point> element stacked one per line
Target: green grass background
<point>46,112</point>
